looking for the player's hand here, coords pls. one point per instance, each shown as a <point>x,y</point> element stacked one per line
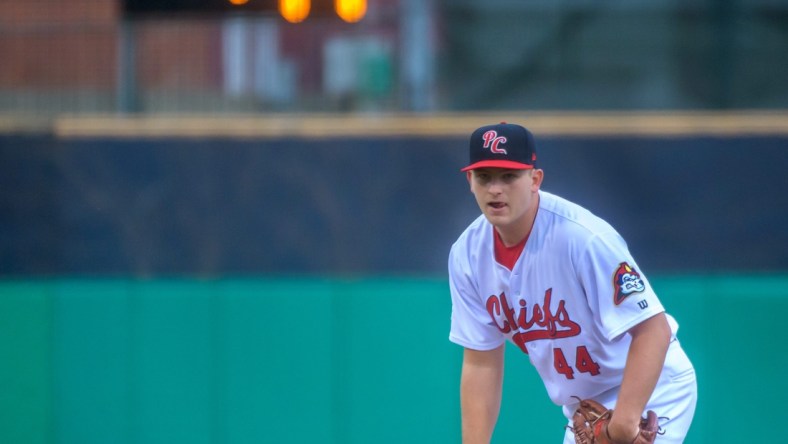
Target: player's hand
<point>621,433</point>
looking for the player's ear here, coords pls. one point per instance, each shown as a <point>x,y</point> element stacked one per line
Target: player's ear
<point>537,176</point>
<point>469,176</point>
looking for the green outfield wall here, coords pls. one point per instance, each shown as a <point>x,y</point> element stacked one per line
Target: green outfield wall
<point>344,361</point>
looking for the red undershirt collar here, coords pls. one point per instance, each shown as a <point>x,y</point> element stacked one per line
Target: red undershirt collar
<point>507,256</point>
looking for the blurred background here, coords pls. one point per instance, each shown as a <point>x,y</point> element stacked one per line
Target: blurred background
<point>228,221</point>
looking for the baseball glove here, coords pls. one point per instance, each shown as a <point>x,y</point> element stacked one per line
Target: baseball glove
<point>590,425</point>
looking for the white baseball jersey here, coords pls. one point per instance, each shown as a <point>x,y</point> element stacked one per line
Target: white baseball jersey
<point>570,297</point>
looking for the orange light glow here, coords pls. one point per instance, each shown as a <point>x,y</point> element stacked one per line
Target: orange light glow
<point>351,11</point>
<point>294,11</point>
<point>238,2</point>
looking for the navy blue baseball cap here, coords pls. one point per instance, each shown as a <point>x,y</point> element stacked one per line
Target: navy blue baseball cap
<point>504,145</point>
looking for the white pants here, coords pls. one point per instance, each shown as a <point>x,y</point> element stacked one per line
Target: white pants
<point>673,400</point>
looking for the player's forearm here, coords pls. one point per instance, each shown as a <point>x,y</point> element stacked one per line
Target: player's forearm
<point>480,406</point>
<point>480,394</point>
<point>650,341</point>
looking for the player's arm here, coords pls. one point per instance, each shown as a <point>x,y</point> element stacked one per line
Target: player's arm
<point>650,341</point>
<point>480,393</point>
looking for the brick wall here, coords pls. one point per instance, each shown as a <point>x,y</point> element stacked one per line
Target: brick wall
<point>72,45</point>
<point>58,44</point>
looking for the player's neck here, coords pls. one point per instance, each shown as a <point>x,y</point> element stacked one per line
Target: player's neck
<point>511,236</point>
<point>515,233</point>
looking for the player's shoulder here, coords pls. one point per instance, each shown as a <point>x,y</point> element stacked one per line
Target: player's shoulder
<point>574,218</point>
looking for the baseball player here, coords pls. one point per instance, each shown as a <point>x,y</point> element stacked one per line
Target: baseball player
<point>559,283</point>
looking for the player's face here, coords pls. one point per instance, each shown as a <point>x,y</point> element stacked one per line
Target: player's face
<point>508,198</point>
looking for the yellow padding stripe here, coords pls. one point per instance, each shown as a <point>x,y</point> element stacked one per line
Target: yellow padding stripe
<point>443,124</point>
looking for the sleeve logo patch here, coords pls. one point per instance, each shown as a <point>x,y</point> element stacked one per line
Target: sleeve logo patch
<point>626,281</point>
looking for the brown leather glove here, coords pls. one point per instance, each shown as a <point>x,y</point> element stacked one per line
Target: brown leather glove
<point>590,425</point>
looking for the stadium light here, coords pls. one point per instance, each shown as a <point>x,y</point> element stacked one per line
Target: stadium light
<point>294,11</point>
<point>351,11</point>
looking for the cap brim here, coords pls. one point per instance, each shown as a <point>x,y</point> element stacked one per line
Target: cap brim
<point>508,164</point>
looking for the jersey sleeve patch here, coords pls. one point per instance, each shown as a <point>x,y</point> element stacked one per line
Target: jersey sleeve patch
<point>626,281</point>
